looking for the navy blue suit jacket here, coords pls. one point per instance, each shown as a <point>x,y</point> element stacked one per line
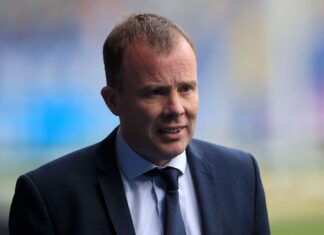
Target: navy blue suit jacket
<point>82,193</point>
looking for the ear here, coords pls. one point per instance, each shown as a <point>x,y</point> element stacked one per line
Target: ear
<point>110,96</point>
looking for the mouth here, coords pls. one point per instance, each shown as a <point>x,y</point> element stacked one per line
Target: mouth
<point>171,130</point>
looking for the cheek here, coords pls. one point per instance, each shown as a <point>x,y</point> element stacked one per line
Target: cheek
<point>192,109</point>
<point>142,117</point>
<point>149,111</point>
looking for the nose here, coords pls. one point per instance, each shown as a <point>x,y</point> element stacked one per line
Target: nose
<point>173,107</point>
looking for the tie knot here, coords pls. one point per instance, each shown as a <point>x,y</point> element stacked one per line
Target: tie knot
<point>169,175</point>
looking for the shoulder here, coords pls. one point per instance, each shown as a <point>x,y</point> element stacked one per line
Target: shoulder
<point>220,155</point>
<point>79,167</point>
<point>79,163</point>
<point>208,149</point>
<point>68,162</point>
<point>231,167</point>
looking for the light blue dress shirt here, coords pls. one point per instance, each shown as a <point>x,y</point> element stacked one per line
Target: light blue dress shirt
<point>145,195</point>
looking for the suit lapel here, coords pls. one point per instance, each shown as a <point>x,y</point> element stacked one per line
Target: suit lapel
<point>112,188</point>
<point>205,183</point>
<point>116,204</point>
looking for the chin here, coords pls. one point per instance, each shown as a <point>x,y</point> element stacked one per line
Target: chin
<point>170,152</point>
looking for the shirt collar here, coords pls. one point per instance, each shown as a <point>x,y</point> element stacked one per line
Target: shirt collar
<point>132,164</point>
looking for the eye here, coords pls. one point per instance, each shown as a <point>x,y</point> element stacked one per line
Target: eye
<point>155,92</point>
<point>185,88</point>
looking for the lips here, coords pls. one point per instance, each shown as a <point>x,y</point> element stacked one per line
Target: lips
<point>171,130</point>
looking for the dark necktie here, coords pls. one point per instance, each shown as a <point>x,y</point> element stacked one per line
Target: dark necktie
<point>173,222</point>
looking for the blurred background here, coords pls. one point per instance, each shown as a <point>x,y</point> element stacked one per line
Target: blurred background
<point>261,84</point>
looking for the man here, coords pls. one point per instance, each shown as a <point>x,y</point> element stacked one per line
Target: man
<point>110,187</point>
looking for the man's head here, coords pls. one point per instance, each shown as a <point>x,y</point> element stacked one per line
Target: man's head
<point>152,85</point>
<point>157,31</point>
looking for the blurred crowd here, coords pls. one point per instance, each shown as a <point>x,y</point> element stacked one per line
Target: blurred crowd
<point>261,77</point>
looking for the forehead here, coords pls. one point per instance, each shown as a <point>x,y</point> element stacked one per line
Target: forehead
<point>141,59</point>
<point>177,44</point>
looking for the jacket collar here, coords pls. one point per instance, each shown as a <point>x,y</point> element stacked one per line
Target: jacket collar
<point>207,189</point>
<point>111,187</point>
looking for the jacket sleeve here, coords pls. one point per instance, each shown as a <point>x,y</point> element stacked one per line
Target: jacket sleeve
<point>261,221</point>
<point>28,212</point>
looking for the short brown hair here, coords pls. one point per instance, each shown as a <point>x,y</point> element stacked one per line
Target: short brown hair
<point>158,31</point>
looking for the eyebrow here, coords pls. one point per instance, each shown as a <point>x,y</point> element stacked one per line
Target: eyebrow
<point>190,83</point>
<point>158,85</point>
